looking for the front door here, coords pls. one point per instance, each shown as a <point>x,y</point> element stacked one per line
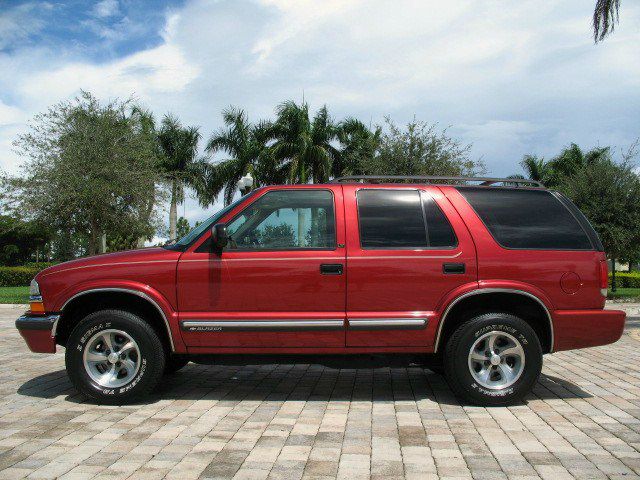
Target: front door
<point>280,281</point>
<point>407,248</point>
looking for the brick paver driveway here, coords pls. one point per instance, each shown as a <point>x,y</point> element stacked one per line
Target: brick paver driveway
<point>314,421</point>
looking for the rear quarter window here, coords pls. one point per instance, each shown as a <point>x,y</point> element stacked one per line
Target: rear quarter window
<point>527,219</point>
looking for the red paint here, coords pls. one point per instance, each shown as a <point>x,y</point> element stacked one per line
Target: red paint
<point>376,284</point>
<point>587,328</point>
<point>570,283</point>
<point>401,283</point>
<point>39,341</point>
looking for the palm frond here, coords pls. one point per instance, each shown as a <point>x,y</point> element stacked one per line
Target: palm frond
<point>605,16</point>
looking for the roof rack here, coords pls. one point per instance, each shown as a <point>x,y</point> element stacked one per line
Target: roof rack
<point>481,181</point>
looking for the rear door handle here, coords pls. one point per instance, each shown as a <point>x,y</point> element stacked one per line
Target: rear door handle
<point>455,268</point>
<point>331,269</point>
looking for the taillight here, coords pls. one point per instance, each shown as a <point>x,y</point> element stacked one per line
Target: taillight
<point>604,277</point>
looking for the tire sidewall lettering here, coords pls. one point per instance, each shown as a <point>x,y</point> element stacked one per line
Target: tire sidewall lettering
<point>509,324</point>
<point>503,328</point>
<point>82,344</point>
<point>89,333</point>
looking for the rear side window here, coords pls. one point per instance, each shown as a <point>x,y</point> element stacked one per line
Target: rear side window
<point>527,219</point>
<point>400,219</point>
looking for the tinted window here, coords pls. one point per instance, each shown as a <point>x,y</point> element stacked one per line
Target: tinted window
<point>396,219</point>
<point>204,226</point>
<point>530,219</point>
<point>285,220</point>
<point>439,229</point>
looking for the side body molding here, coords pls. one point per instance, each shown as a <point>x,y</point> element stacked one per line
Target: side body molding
<point>482,291</point>
<point>133,292</point>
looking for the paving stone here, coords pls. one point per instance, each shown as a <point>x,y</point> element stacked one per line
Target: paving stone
<point>310,421</point>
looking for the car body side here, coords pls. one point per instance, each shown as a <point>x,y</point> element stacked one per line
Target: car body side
<point>162,281</point>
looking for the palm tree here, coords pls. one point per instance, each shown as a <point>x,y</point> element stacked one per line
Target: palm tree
<point>246,144</point>
<point>605,16</point>
<point>179,162</point>
<point>358,145</point>
<point>566,164</point>
<point>537,169</point>
<point>304,145</point>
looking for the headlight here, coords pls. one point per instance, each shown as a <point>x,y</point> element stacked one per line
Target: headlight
<point>34,289</point>
<point>35,298</point>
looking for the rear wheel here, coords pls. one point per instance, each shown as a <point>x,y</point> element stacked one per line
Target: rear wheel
<point>114,357</point>
<point>493,359</point>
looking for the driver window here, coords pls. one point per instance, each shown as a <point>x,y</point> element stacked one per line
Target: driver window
<point>285,220</point>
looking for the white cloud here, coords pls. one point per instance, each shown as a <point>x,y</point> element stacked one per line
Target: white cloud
<point>523,79</point>
<point>161,70</point>
<point>10,115</point>
<point>106,8</point>
<point>18,23</point>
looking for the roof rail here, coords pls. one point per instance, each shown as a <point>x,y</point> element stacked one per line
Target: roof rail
<point>482,181</point>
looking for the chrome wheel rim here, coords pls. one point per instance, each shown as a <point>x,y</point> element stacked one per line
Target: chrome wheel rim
<point>496,360</point>
<point>111,358</point>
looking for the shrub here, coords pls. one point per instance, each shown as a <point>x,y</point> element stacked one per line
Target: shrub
<point>17,276</point>
<point>626,279</point>
<point>39,265</point>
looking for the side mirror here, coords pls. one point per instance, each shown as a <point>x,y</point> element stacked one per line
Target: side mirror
<point>219,236</point>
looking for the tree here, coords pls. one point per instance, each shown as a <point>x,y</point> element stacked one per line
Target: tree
<point>22,241</point>
<point>246,145</point>
<point>304,145</point>
<point>87,171</point>
<point>421,149</point>
<point>608,193</point>
<point>183,227</point>
<point>605,16</point>
<point>146,126</point>
<point>566,164</point>
<point>537,169</point>
<point>298,148</point>
<point>358,145</point>
<point>180,164</point>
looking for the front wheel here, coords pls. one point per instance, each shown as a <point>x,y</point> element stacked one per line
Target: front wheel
<point>114,357</point>
<point>493,359</point>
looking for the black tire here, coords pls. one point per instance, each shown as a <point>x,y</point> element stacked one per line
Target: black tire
<point>174,363</point>
<point>151,364</point>
<point>457,363</point>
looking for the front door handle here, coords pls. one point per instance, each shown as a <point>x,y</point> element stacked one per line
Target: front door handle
<point>454,268</point>
<point>331,269</point>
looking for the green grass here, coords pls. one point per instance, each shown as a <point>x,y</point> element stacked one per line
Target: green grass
<point>14,294</point>
<point>624,294</point>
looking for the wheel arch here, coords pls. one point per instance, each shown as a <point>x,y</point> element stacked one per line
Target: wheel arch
<point>509,300</point>
<point>93,299</point>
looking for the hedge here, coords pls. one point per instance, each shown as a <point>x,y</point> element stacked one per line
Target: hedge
<point>17,276</point>
<point>40,265</point>
<point>626,279</point>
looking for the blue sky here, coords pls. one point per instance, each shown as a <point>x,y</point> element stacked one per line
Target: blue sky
<point>510,78</point>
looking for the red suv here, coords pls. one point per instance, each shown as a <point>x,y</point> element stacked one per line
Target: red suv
<point>482,275</point>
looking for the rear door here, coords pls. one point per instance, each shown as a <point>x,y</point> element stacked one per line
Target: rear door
<point>406,249</point>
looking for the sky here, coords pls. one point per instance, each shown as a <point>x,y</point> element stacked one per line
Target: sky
<point>510,78</point>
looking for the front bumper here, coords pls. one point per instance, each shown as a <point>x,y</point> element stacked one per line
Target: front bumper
<point>39,331</point>
<point>586,328</point>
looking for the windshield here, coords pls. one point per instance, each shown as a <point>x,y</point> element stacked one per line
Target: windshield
<point>204,226</point>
